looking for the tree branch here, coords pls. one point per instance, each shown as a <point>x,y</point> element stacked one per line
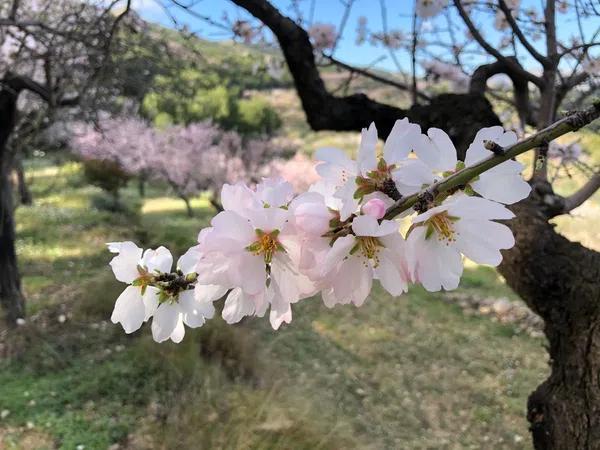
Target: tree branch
<point>544,61</point>
<point>483,73</point>
<point>325,111</point>
<point>570,123</point>
<point>586,191</point>
<point>373,76</point>
<point>492,51</point>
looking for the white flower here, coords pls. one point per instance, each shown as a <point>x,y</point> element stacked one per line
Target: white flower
<point>430,8</point>
<point>170,315</point>
<point>132,308</point>
<point>341,172</point>
<point>248,251</point>
<point>461,224</point>
<point>141,300</point>
<point>437,157</point>
<point>375,250</point>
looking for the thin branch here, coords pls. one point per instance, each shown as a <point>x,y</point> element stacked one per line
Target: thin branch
<point>373,76</point>
<point>492,51</point>
<point>570,123</point>
<point>586,191</point>
<point>544,61</point>
<point>342,25</point>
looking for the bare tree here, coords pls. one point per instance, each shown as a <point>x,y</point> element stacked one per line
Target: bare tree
<point>52,56</point>
<point>559,279</point>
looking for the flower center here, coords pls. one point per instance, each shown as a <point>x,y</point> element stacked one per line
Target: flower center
<point>266,244</point>
<point>369,247</point>
<point>442,224</point>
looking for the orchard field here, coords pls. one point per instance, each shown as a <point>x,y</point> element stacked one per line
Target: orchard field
<point>415,372</point>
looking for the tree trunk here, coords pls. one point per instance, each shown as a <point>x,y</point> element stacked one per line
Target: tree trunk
<point>142,185</point>
<point>11,297</point>
<point>215,203</point>
<point>188,206</point>
<point>25,196</point>
<point>560,281</point>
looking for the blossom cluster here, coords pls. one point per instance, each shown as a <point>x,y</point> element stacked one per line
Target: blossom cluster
<point>193,158</point>
<point>270,248</point>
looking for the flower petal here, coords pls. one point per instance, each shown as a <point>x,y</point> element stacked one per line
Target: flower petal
<point>403,138</point>
<point>129,309</point>
<point>188,261</point>
<point>151,302</point>
<point>209,292</point>
<point>481,240</point>
<point>446,151</point>
<point>367,156</point>
<point>164,322</point>
<point>124,265</point>
<point>237,305</point>
<point>194,312</point>
<point>159,260</point>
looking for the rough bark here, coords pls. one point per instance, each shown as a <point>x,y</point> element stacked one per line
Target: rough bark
<point>25,196</point>
<point>11,296</point>
<point>560,281</point>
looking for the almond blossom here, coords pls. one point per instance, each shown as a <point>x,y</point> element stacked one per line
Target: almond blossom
<point>430,8</point>
<point>502,183</point>
<point>154,291</point>
<point>247,249</point>
<point>460,225</point>
<point>353,180</point>
<point>374,250</point>
<point>134,266</point>
<point>271,247</point>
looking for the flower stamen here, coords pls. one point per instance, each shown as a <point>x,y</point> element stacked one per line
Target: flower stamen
<point>267,245</point>
<point>442,224</point>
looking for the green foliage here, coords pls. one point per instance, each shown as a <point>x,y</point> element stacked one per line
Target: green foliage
<point>255,115</point>
<point>209,81</point>
<point>107,175</point>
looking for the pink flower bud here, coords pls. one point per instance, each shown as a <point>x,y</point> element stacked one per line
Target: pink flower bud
<point>374,208</point>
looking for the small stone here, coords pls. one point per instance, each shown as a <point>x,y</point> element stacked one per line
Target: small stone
<point>21,321</point>
<point>518,438</point>
<point>501,306</point>
<point>30,425</point>
<point>62,318</point>
<point>4,414</point>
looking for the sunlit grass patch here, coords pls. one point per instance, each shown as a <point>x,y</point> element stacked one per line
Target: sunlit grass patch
<point>168,205</point>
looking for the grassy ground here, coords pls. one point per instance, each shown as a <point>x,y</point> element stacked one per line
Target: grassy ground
<point>408,373</point>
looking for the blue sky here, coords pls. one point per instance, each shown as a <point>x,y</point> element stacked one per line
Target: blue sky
<point>330,11</point>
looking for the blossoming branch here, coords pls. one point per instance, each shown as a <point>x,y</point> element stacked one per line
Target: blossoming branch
<point>408,215</point>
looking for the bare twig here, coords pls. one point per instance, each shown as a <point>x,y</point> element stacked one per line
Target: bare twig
<point>373,76</point>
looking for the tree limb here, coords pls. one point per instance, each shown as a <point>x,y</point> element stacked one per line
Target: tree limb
<point>544,61</point>
<point>478,84</point>
<point>586,191</point>
<point>325,111</point>
<point>373,76</point>
<point>492,51</point>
